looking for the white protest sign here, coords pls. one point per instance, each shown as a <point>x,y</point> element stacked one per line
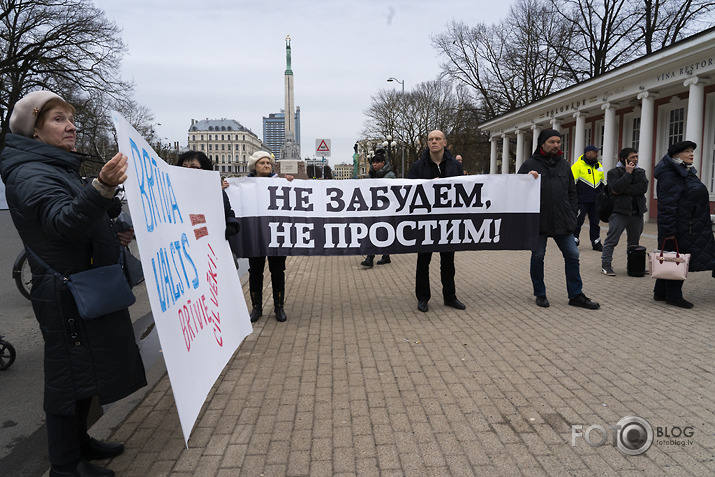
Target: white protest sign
<point>194,290</point>
<point>372,216</point>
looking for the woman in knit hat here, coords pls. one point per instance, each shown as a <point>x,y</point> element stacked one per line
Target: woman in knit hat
<point>684,222</point>
<point>65,224</point>
<point>260,164</point>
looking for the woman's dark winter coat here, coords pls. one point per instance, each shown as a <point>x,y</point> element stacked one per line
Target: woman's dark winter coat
<point>684,211</point>
<point>559,202</point>
<point>66,224</point>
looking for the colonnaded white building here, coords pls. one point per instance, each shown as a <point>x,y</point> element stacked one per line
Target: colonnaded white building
<point>648,104</point>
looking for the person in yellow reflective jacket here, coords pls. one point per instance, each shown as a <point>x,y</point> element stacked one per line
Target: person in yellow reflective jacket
<point>589,177</point>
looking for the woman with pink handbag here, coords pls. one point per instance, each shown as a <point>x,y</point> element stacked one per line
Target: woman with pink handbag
<point>683,218</point>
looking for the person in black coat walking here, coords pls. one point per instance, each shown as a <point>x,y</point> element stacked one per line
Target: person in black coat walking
<point>65,223</point>
<point>557,217</point>
<point>436,161</point>
<point>684,222</point>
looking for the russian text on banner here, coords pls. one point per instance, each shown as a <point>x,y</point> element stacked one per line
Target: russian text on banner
<point>371,216</point>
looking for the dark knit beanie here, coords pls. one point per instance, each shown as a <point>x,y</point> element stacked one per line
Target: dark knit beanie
<point>680,147</point>
<point>546,134</point>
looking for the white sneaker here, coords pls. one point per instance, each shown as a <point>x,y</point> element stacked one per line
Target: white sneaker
<point>607,270</point>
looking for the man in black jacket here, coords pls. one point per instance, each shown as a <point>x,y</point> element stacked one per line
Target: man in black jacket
<point>436,161</point>
<point>628,183</point>
<point>557,217</point>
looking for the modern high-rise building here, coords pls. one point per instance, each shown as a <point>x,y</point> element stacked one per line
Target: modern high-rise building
<point>274,130</point>
<point>226,142</point>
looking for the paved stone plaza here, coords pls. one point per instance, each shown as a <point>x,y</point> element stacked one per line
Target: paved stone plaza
<point>358,382</point>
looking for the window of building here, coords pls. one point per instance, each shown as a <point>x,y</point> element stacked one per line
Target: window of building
<point>565,143</point>
<point>193,137</point>
<point>676,125</point>
<point>210,147</point>
<point>202,147</point>
<point>202,137</point>
<point>223,157</point>
<point>588,136</point>
<point>636,133</point>
<point>229,158</point>
<point>223,147</point>
<point>222,137</point>
<point>244,147</point>
<point>244,137</point>
<point>193,148</point>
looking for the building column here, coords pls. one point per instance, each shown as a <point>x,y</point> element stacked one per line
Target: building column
<point>608,154</point>
<point>505,154</point>
<point>579,140</point>
<point>519,149</point>
<point>535,137</point>
<point>694,120</point>
<point>645,139</point>
<point>493,156</point>
<point>556,124</point>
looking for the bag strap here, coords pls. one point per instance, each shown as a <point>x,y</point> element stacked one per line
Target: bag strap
<point>58,274</point>
<point>44,264</point>
<point>662,247</point>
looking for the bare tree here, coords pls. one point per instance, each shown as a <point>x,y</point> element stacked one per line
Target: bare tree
<point>431,105</point>
<point>608,33</point>
<point>66,46</point>
<point>664,22</point>
<point>509,64</point>
<point>603,37</point>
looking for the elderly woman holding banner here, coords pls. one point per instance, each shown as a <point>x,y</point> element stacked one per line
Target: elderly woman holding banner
<point>64,225</point>
<point>260,164</point>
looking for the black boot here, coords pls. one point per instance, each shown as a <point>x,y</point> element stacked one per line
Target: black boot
<point>385,259</point>
<point>368,261</point>
<point>278,298</point>
<point>257,301</point>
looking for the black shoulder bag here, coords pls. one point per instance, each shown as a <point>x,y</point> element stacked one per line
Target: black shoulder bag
<point>97,291</point>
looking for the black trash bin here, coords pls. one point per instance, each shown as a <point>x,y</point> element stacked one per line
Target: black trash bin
<point>636,261</point>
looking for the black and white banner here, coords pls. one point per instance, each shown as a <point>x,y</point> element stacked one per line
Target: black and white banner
<point>375,216</point>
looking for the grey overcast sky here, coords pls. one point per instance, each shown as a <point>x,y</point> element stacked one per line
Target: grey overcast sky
<point>226,58</point>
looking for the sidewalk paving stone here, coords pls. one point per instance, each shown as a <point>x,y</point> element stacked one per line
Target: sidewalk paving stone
<point>358,382</point>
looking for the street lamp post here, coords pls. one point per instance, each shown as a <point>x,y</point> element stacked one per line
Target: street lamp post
<point>391,79</point>
<point>389,144</point>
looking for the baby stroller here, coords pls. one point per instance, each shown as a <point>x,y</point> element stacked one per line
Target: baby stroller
<point>7,354</point>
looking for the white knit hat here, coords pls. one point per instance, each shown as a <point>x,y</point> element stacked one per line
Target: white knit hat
<point>257,156</point>
<point>24,114</point>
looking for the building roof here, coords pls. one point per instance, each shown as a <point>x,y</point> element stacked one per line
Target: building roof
<point>219,125</point>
